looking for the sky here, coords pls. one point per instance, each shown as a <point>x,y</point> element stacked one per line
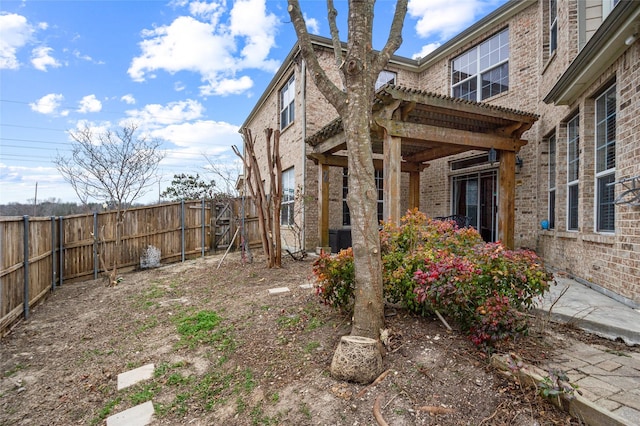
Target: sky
<point>186,73</point>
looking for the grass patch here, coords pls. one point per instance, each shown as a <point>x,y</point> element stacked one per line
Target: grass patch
<point>144,393</point>
<point>106,411</point>
<point>311,346</point>
<point>288,321</point>
<point>202,328</point>
<point>14,370</point>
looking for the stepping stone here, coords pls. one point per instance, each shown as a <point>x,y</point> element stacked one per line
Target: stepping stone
<point>306,286</point>
<point>278,290</point>
<point>139,415</point>
<point>134,376</point>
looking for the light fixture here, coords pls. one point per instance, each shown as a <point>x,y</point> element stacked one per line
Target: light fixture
<point>493,156</point>
<point>519,162</point>
<point>631,39</point>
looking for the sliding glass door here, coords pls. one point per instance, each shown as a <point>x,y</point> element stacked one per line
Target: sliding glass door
<point>475,196</point>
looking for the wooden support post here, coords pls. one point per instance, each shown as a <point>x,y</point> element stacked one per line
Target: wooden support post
<point>323,205</point>
<point>414,190</point>
<point>506,201</point>
<point>391,190</point>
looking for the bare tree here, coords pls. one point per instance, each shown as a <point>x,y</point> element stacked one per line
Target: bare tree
<point>116,168</point>
<point>267,203</point>
<point>359,68</point>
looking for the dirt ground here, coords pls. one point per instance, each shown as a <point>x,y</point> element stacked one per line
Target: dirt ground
<point>265,360</point>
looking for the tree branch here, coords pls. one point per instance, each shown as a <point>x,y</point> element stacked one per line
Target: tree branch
<point>334,95</point>
<point>335,37</point>
<point>395,38</point>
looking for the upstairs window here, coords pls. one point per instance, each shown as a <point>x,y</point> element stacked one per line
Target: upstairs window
<point>385,77</point>
<point>573,168</point>
<point>605,160</point>
<point>553,26</point>
<point>483,71</point>
<point>287,103</point>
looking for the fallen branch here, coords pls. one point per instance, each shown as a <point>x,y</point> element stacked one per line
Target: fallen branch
<point>434,409</point>
<point>376,411</point>
<point>375,382</point>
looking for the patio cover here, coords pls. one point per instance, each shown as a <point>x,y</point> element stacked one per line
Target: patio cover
<point>412,127</point>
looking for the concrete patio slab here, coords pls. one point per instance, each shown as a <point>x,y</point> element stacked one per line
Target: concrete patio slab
<point>132,377</point>
<point>139,415</point>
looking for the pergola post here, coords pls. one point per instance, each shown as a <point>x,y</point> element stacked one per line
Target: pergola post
<point>507,196</point>
<point>391,189</point>
<point>414,190</point>
<point>323,205</point>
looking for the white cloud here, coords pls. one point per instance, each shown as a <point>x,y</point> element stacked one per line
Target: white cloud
<point>218,52</point>
<point>89,104</point>
<point>209,11</point>
<point>154,115</point>
<point>49,105</point>
<point>426,49</point>
<point>128,98</point>
<point>313,26</point>
<point>15,32</point>
<point>41,58</point>
<point>445,18</point>
<point>228,87</point>
<point>179,86</point>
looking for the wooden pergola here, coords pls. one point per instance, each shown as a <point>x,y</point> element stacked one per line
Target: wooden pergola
<point>411,128</point>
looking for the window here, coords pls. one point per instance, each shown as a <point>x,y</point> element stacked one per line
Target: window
<point>385,77</point>
<point>573,166</point>
<point>552,182</point>
<point>287,103</point>
<point>605,160</point>
<point>607,7</point>
<point>346,217</point>
<point>483,71</point>
<point>288,198</point>
<point>553,26</point>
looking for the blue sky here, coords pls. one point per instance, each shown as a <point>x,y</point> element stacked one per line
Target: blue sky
<point>187,72</point>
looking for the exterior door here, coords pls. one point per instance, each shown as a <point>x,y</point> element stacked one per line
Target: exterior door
<point>475,196</point>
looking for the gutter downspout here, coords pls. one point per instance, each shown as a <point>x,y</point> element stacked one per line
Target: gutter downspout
<point>303,81</point>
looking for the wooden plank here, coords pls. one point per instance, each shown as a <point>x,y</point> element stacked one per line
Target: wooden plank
<point>455,137</point>
<point>506,200</point>
<point>323,205</point>
<point>391,188</point>
<point>414,190</point>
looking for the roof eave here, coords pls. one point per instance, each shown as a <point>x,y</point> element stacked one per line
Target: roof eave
<point>604,47</point>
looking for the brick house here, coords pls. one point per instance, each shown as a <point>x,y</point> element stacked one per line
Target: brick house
<point>562,76</point>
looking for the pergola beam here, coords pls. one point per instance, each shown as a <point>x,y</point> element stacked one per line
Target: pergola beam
<point>452,137</point>
<point>378,164</point>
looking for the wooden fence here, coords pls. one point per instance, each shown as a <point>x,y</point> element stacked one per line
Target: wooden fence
<point>39,254</point>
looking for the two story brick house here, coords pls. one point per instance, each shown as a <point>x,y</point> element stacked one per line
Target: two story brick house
<point>559,78</point>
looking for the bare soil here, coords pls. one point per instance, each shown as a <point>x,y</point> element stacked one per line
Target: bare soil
<point>267,361</point>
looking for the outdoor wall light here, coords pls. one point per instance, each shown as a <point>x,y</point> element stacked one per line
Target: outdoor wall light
<point>492,157</point>
<point>631,39</point>
<point>519,162</point>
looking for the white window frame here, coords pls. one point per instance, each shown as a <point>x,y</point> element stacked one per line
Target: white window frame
<point>604,172</point>
<point>287,204</point>
<point>573,170</point>
<point>552,202</point>
<point>553,26</point>
<point>475,71</point>
<point>287,102</point>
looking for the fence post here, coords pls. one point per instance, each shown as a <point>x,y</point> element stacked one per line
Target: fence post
<point>203,226</point>
<point>61,253</point>
<point>95,245</point>
<point>182,228</point>
<point>53,253</point>
<point>26,267</point>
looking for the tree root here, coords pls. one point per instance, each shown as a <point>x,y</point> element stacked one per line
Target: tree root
<point>376,411</point>
<point>375,382</point>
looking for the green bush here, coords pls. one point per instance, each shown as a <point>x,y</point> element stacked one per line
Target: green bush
<point>433,265</point>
